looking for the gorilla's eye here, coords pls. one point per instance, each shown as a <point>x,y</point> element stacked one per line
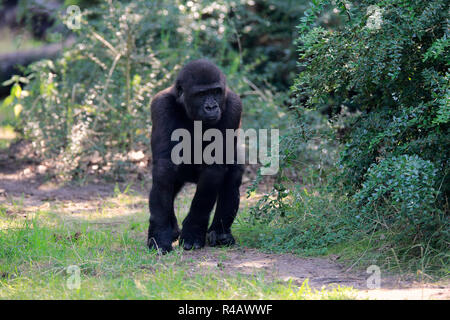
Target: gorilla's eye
<point>209,92</point>
<point>201,94</point>
<point>216,91</point>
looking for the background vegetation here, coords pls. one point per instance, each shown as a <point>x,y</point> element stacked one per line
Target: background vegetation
<point>359,90</point>
<point>382,77</point>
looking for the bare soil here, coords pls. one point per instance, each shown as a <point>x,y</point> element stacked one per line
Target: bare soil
<point>25,179</point>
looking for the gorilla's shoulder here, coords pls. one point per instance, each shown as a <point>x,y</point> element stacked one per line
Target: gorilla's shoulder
<point>234,97</point>
<point>162,102</point>
<point>234,101</point>
<point>164,96</point>
<point>233,110</point>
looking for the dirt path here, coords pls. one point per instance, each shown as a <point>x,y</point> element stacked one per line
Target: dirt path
<point>21,182</point>
<point>320,272</point>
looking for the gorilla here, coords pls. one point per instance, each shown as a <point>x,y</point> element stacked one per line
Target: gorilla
<point>198,94</point>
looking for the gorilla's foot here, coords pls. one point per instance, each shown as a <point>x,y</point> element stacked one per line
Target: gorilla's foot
<point>157,243</point>
<point>192,241</point>
<point>220,239</point>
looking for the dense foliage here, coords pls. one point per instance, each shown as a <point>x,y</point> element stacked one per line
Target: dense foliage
<point>382,79</point>
<point>390,63</point>
<point>90,108</point>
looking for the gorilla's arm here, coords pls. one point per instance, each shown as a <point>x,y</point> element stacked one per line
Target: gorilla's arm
<point>165,119</point>
<point>163,226</point>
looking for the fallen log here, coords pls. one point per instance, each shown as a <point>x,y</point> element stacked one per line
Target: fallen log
<point>10,62</point>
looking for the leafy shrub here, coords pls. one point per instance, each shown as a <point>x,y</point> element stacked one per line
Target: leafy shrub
<point>93,102</point>
<point>382,78</point>
<point>405,183</point>
<point>387,65</point>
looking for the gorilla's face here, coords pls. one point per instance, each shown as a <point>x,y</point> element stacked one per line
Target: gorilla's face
<point>201,90</point>
<point>205,104</point>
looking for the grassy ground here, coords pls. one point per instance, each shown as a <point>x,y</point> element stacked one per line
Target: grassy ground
<point>87,241</point>
<point>107,247</point>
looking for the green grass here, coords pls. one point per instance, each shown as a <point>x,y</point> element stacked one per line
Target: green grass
<point>318,224</point>
<point>108,247</point>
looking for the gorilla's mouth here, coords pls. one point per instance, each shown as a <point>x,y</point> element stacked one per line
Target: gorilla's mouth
<point>212,119</point>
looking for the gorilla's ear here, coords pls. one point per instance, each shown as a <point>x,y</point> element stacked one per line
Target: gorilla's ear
<point>178,89</point>
<point>179,92</point>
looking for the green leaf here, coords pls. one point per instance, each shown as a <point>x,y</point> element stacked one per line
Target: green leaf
<point>16,90</point>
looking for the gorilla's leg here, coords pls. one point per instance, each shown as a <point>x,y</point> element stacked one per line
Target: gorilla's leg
<point>195,225</point>
<point>227,206</point>
<point>163,227</point>
<point>175,229</point>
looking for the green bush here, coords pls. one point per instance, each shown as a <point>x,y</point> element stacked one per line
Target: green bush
<point>401,190</point>
<point>383,76</point>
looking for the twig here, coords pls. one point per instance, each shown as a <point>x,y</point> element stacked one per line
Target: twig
<point>106,43</point>
<point>364,253</point>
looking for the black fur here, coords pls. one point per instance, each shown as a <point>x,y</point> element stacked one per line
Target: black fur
<point>177,107</point>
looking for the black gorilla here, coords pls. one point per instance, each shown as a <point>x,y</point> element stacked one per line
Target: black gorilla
<point>199,94</point>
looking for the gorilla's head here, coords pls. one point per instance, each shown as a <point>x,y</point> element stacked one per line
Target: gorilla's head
<point>201,89</point>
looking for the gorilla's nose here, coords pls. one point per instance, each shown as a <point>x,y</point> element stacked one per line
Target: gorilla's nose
<point>211,108</point>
